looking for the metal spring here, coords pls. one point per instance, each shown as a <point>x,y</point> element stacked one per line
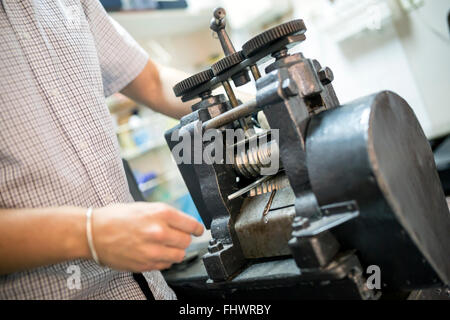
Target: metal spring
<point>249,162</point>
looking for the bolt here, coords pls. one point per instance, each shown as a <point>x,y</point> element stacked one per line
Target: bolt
<point>316,65</point>
<point>219,13</point>
<point>289,88</point>
<point>214,246</point>
<point>280,54</point>
<point>300,223</point>
<point>205,95</point>
<point>326,75</point>
<point>218,21</point>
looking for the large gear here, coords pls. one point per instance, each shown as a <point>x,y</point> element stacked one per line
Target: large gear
<point>227,62</point>
<point>268,37</point>
<point>183,87</point>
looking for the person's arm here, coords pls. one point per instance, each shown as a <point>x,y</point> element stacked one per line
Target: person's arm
<point>35,237</point>
<point>153,88</point>
<point>134,237</point>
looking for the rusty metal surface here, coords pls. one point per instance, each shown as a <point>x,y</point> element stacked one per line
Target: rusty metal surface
<point>249,162</point>
<point>266,236</point>
<point>276,183</point>
<point>236,113</point>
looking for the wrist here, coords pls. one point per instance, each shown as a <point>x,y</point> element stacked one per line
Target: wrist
<point>76,242</point>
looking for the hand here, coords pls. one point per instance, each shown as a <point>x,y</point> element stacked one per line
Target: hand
<point>142,236</point>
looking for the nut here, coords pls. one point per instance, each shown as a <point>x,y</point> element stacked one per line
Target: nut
<point>289,88</point>
<point>326,76</point>
<point>214,246</point>
<point>300,223</point>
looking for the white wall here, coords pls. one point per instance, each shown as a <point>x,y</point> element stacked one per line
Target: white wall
<point>409,55</point>
<point>404,56</point>
<point>424,35</point>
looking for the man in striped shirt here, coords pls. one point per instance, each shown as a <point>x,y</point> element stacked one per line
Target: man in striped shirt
<point>59,158</point>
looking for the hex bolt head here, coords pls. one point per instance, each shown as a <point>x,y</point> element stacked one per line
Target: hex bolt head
<point>214,246</point>
<point>326,75</point>
<point>280,54</point>
<point>300,223</point>
<point>289,88</point>
<point>316,65</point>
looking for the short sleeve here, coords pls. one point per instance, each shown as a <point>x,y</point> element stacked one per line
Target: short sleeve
<point>121,57</point>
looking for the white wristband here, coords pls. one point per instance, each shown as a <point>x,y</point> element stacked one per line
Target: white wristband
<point>89,235</point>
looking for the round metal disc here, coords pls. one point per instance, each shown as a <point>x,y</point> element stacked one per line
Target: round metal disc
<point>374,151</point>
<point>269,36</point>
<point>183,87</point>
<point>227,62</point>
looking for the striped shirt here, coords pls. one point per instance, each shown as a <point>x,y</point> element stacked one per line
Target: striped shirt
<point>59,59</point>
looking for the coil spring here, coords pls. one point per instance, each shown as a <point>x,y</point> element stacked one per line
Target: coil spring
<point>250,162</point>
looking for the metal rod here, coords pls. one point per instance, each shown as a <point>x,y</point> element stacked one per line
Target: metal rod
<point>234,102</point>
<point>236,113</point>
<point>225,41</point>
<point>255,72</point>
<point>218,24</point>
<point>269,203</point>
<point>230,93</point>
<point>248,188</point>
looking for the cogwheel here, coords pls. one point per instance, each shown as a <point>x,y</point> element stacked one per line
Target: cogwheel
<point>227,62</point>
<point>183,87</point>
<point>269,36</point>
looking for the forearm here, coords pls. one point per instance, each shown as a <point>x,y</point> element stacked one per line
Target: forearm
<point>153,88</point>
<point>36,237</point>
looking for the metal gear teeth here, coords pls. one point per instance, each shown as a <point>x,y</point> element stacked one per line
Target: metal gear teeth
<point>183,87</point>
<point>267,37</point>
<point>227,62</point>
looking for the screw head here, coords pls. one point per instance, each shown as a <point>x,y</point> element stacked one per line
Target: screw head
<point>326,75</point>
<point>289,88</point>
<point>214,246</point>
<point>218,21</point>
<point>219,13</point>
<point>300,223</point>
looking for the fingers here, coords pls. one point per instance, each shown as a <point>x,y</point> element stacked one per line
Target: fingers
<point>159,266</point>
<point>163,234</point>
<point>185,223</point>
<point>177,239</point>
<point>150,266</point>
<point>166,254</point>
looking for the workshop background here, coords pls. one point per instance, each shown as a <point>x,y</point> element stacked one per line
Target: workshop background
<point>371,45</point>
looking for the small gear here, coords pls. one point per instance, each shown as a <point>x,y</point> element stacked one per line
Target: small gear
<point>268,37</point>
<point>227,62</point>
<point>183,87</point>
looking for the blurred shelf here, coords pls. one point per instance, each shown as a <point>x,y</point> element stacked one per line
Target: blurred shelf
<point>143,24</point>
<point>164,177</point>
<point>135,153</point>
<point>126,127</point>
